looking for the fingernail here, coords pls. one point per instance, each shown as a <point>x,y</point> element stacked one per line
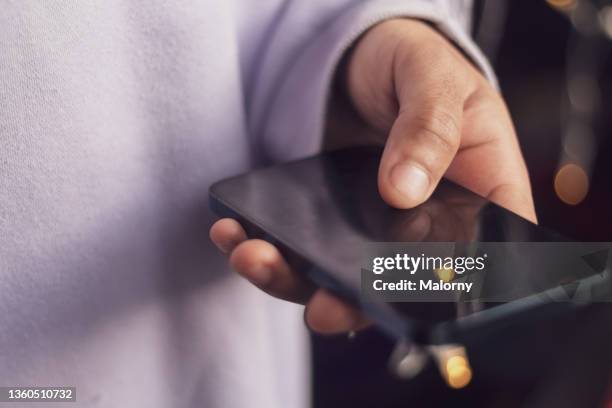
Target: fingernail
<point>410,180</point>
<point>260,276</point>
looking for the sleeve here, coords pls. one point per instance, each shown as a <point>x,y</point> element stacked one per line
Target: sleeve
<point>288,106</point>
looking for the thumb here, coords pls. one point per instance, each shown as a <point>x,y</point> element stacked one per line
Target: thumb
<point>423,142</point>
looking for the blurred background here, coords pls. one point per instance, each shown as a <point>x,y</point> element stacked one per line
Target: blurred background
<point>553,61</point>
<point>554,66</point>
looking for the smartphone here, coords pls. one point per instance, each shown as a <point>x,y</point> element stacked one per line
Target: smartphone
<point>322,210</point>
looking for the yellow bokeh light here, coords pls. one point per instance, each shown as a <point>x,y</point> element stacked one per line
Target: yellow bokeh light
<point>459,377</point>
<point>445,274</point>
<point>454,362</point>
<point>458,372</point>
<point>571,184</point>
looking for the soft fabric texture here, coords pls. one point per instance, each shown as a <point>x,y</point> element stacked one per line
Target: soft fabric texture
<point>115,117</point>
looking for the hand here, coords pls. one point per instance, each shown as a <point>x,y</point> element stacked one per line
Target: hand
<point>437,116</point>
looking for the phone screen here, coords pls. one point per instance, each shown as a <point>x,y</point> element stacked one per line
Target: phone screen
<point>322,210</point>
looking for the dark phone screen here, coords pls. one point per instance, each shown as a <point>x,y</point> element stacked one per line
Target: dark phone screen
<point>321,211</point>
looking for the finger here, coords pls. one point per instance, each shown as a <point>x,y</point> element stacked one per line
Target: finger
<point>491,163</point>
<point>226,234</point>
<point>263,265</point>
<point>515,198</point>
<point>325,313</point>
<point>505,181</point>
<point>422,144</point>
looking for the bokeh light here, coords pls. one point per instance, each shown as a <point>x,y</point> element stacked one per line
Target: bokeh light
<point>458,372</point>
<point>453,364</point>
<point>562,4</point>
<point>571,184</point>
<point>444,274</point>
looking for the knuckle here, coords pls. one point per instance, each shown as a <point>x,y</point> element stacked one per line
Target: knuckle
<point>441,127</point>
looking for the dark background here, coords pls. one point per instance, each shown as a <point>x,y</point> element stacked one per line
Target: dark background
<point>531,66</point>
